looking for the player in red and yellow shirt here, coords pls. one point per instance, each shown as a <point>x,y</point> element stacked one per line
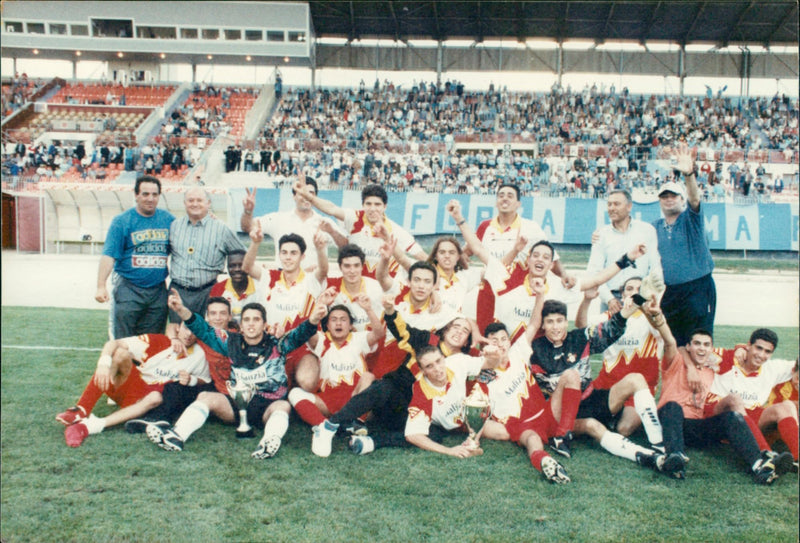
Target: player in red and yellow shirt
<point>132,372</point>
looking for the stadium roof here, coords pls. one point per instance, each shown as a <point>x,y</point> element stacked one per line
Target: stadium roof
<point>720,22</point>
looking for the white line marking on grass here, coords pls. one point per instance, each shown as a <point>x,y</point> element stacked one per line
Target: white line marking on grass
<point>50,348</point>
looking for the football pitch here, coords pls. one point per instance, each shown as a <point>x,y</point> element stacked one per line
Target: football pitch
<point>119,487</point>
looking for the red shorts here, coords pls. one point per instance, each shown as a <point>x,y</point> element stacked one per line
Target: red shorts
<point>292,361</point>
<point>133,389</point>
<point>334,398</point>
<point>543,423</point>
<point>755,413</point>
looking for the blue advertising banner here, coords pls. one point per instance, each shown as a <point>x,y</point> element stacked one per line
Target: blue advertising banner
<point>768,227</point>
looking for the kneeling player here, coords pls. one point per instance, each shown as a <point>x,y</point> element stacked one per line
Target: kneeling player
<point>343,368</point>
<point>132,372</point>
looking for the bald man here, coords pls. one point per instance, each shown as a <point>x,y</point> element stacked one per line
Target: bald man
<point>199,246</point>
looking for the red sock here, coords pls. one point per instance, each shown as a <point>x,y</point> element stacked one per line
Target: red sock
<point>536,459</point>
<point>788,429</point>
<point>570,401</point>
<point>90,396</point>
<point>762,442</point>
<point>309,412</point>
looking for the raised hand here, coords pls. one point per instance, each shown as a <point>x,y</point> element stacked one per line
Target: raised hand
<point>174,301</point>
<point>591,293</point>
<point>380,231</point>
<point>538,286</point>
<point>320,239</point>
<point>362,300</point>
<point>387,248</point>
<point>388,303</point>
<point>637,251</point>
<point>249,202</point>
<point>327,296</point>
<point>256,235</point>
<point>684,162</point>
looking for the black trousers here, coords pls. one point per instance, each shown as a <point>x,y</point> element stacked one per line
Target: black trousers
<point>698,433</point>
<point>688,306</point>
<point>387,400</point>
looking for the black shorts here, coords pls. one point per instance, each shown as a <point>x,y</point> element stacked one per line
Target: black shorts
<point>255,410</point>
<point>595,406</point>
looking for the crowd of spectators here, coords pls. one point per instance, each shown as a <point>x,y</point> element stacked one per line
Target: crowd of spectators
<point>209,112</point>
<point>18,91</point>
<point>567,143</point>
<point>405,139</point>
<point>63,160</point>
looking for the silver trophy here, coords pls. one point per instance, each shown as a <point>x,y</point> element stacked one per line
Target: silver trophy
<point>475,411</point>
<point>241,393</point>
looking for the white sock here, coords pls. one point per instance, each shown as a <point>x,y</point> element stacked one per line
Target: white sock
<point>192,419</point>
<point>645,406</point>
<point>369,444</point>
<point>94,424</point>
<point>277,424</point>
<point>621,446</point>
<point>297,395</point>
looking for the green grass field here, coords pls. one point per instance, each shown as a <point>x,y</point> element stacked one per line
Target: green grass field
<point>120,487</point>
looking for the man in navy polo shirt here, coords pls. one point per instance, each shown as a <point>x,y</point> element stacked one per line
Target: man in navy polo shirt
<point>691,296</point>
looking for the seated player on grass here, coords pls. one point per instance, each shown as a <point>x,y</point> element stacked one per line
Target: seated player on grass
<point>686,380</point>
<point>343,369</point>
<point>637,351</point>
<point>743,383</point>
<point>520,412</point>
<point>177,396</point>
<point>784,392</point>
<point>387,398</point>
<point>257,359</point>
<point>438,397</point>
<point>560,352</point>
<point>132,372</point>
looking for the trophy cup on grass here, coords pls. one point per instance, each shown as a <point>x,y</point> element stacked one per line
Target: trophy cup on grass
<point>241,393</point>
<point>475,412</point>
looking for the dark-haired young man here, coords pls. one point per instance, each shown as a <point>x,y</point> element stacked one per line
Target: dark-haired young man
<point>302,220</point>
<point>341,351</point>
<point>258,359</point>
<point>559,353</point>
<point>501,234</point>
<point>360,225</point>
<point>133,372</point>
<point>520,412</point>
<point>177,396</point>
<point>744,381</point>
<point>136,250</point>
<point>353,283</point>
<point>686,380</point>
